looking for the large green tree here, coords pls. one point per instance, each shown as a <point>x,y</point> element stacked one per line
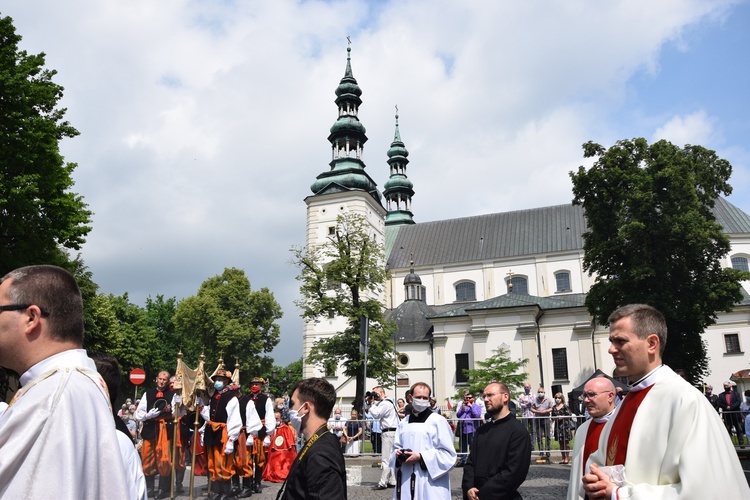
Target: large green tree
<point>497,368</point>
<point>345,277</point>
<point>652,238</point>
<point>38,213</point>
<point>228,318</point>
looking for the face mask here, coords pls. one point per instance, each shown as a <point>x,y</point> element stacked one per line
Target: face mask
<point>125,418</point>
<point>296,420</point>
<point>541,395</point>
<point>527,390</point>
<point>337,417</point>
<point>709,391</point>
<point>419,405</point>
<point>255,389</point>
<point>558,400</point>
<point>218,385</point>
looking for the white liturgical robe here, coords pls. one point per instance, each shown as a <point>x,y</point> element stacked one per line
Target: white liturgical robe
<point>677,448</point>
<point>433,439</point>
<point>57,437</point>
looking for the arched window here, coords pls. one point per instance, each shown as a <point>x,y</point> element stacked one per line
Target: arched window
<point>466,290</point>
<point>740,263</point>
<point>520,284</point>
<point>562,279</point>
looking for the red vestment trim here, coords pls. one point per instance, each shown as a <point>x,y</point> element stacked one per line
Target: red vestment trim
<point>592,441</point>
<point>617,444</point>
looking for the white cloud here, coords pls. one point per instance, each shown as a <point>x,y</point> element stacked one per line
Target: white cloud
<point>695,128</point>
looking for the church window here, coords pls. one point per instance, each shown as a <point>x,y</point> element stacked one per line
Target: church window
<point>331,230</point>
<point>520,284</point>
<point>740,263</point>
<point>562,279</point>
<point>732,343</point>
<point>403,360</point>
<point>560,363</point>
<point>465,291</point>
<point>462,365</point>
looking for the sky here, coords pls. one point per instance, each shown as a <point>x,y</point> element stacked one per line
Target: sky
<point>204,123</point>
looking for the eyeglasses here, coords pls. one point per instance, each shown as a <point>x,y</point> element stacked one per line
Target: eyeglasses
<point>21,307</point>
<point>592,395</point>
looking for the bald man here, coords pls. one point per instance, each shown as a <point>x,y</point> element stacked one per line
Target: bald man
<point>599,400</point>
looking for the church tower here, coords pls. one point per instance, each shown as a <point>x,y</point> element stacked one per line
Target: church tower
<point>398,188</point>
<point>344,188</point>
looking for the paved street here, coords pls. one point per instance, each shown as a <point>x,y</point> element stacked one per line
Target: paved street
<point>543,481</point>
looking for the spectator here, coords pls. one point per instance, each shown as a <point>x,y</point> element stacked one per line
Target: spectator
<point>712,398</point>
<point>561,415</point>
<point>336,424</point>
<point>542,408</point>
<point>729,403</point>
<point>470,418</point>
<point>384,410</point>
<point>353,433</point>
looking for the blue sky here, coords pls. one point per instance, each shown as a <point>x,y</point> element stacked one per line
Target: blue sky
<point>203,124</point>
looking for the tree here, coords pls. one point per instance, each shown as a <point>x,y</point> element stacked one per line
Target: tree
<point>38,213</point>
<point>345,277</point>
<point>282,379</point>
<point>226,318</point>
<point>496,368</point>
<point>652,238</point>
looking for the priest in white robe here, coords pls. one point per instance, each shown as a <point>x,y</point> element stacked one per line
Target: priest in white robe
<point>57,437</point>
<point>431,455</point>
<point>664,440</point>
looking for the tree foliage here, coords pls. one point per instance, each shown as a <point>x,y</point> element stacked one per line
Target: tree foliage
<point>226,318</point>
<point>345,277</point>
<point>282,378</point>
<point>652,238</point>
<point>497,368</point>
<point>38,213</point>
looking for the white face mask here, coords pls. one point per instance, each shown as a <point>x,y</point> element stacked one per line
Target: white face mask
<point>419,405</point>
<point>558,400</point>
<point>296,420</point>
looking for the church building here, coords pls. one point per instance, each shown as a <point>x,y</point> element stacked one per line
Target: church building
<point>460,289</point>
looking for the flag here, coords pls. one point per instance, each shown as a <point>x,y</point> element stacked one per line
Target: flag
<point>450,406</point>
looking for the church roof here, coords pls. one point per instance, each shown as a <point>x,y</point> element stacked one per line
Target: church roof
<point>510,234</point>
<point>411,318</point>
<point>516,300</point>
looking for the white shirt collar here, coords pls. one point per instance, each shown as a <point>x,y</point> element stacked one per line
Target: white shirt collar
<point>71,357</point>
<point>650,379</point>
<point>603,418</point>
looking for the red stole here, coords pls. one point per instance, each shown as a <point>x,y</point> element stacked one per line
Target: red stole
<point>281,455</point>
<point>592,441</point>
<point>617,444</point>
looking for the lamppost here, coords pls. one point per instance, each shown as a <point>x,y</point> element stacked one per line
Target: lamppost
<point>282,384</point>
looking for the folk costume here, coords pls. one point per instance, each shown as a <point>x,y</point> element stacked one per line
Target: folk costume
<point>499,459</point>
<point>587,441</point>
<point>157,433</point>
<point>57,438</point>
<point>222,429</point>
<point>264,408</point>
<point>671,443</point>
<point>430,435</point>
<point>281,454</point>
<point>318,472</point>
<point>243,462</point>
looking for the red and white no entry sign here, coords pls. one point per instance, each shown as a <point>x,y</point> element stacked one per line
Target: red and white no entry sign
<point>137,376</point>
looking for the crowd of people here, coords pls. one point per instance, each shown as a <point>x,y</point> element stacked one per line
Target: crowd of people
<point>661,439</point>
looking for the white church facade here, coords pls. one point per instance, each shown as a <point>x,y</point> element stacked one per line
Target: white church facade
<point>461,288</point>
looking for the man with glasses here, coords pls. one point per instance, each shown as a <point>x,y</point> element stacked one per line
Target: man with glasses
<point>501,454</point>
<point>56,437</point>
<point>470,418</point>
<point>663,440</point>
<point>599,400</point>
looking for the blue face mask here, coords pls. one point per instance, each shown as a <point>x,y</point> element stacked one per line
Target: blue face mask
<point>218,385</point>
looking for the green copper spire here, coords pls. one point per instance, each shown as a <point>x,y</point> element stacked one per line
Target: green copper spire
<point>398,188</point>
<point>347,140</point>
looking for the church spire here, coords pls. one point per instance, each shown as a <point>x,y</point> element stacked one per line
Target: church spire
<point>347,138</point>
<point>398,188</point>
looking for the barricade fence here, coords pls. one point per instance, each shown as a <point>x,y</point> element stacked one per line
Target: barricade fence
<point>543,432</point>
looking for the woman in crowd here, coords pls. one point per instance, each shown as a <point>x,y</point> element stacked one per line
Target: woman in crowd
<point>353,433</point>
<point>561,417</point>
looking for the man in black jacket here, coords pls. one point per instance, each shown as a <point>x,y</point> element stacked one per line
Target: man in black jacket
<point>318,471</point>
<point>501,455</point>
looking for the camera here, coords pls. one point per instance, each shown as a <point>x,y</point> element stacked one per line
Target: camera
<point>372,396</point>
